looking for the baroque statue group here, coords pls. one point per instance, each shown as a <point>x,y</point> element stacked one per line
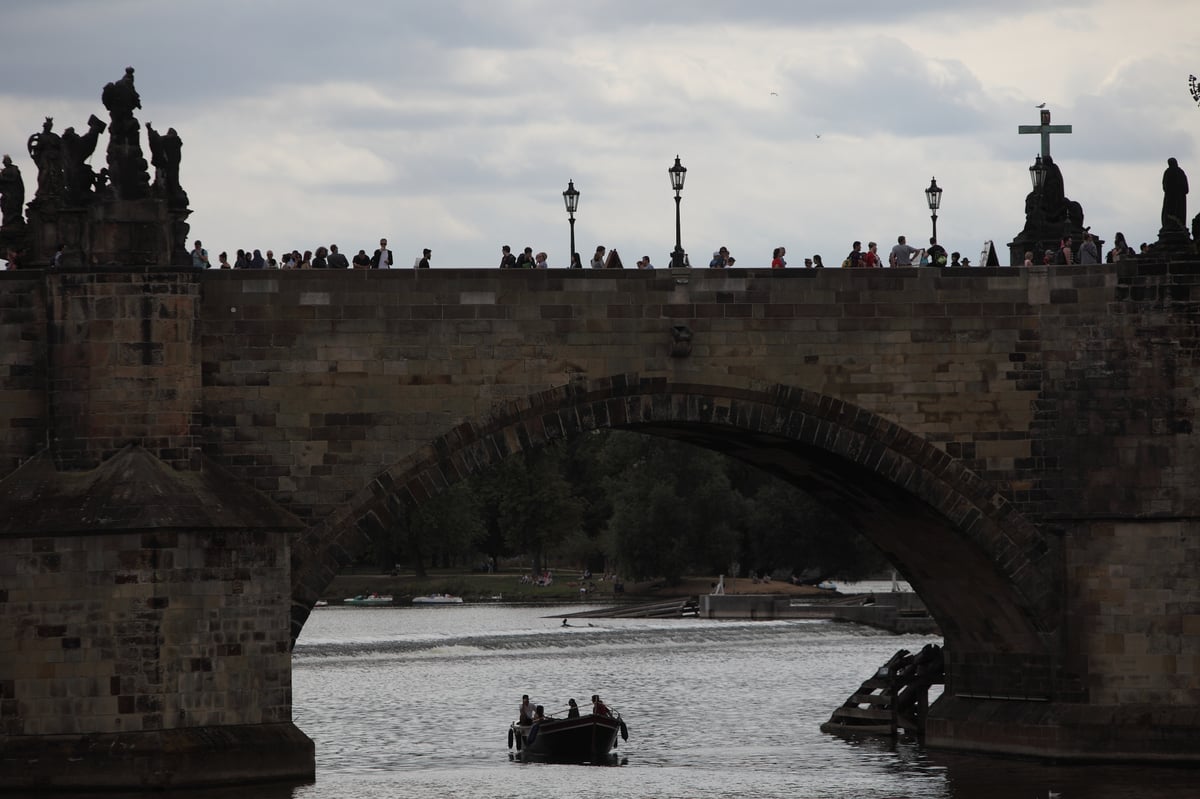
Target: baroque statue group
<point>82,216</point>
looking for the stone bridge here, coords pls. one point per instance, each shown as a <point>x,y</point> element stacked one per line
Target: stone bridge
<point>187,459</point>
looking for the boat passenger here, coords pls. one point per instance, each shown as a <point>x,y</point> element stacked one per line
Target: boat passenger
<point>525,714</point>
<point>573,709</point>
<point>599,708</point>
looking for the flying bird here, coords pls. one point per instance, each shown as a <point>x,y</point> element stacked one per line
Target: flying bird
<point>1043,105</point>
<point>1194,85</point>
<point>774,94</point>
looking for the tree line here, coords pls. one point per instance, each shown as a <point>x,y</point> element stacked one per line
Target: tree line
<point>644,507</point>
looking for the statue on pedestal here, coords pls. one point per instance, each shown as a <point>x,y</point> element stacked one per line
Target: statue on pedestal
<point>1050,216</point>
<point>12,196</point>
<point>99,216</point>
<point>14,233</point>
<point>127,168</point>
<point>45,148</point>
<point>1175,191</point>
<point>166,151</point>
<point>78,176</point>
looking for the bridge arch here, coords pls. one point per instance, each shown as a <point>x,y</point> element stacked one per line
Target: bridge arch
<point>987,574</point>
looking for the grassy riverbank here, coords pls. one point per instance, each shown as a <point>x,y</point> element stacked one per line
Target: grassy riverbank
<point>476,587</point>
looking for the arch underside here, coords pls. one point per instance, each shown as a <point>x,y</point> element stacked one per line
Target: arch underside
<point>985,573</point>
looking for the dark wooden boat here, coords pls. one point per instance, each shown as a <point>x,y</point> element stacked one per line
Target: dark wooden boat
<point>584,739</point>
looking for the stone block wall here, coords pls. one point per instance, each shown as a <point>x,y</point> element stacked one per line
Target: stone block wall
<point>23,368</point>
<point>142,632</point>
<point>124,365</point>
<point>1134,593</point>
<point>1049,383</point>
<point>315,382</point>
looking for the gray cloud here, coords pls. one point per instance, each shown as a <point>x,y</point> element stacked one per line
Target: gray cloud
<point>456,125</point>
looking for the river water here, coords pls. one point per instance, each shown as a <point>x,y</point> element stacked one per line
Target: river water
<point>416,702</point>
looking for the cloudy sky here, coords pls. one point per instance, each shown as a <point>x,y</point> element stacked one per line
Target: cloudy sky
<point>456,124</point>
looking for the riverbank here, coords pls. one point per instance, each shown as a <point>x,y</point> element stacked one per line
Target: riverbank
<point>478,587</point>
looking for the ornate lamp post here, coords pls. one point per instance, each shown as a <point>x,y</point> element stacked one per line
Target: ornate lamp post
<point>933,195</point>
<point>571,200</point>
<point>677,173</point>
<point>1037,174</point>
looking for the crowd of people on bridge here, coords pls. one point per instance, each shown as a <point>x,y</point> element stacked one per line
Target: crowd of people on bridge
<point>321,258</point>
<point>901,254</point>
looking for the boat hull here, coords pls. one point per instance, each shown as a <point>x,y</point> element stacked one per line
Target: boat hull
<point>587,739</point>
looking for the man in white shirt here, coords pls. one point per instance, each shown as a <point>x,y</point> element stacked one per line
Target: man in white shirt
<point>382,259</point>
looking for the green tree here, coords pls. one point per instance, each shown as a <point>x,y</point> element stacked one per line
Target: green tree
<point>788,530</point>
<point>673,507</point>
<point>534,507</point>
<point>446,529</point>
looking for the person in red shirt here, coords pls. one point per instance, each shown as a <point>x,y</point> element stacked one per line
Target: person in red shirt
<point>871,256</point>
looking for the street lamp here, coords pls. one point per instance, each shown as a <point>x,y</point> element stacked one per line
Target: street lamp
<point>1037,174</point>
<point>571,200</point>
<point>677,173</point>
<point>933,195</point>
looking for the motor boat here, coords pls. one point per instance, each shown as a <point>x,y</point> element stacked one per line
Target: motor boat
<point>437,599</point>
<point>369,600</point>
<point>583,739</point>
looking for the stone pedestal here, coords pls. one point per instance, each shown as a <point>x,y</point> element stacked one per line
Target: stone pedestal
<point>1039,241</point>
<point>53,225</point>
<point>14,239</point>
<point>137,233</point>
<point>1065,732</point>
<point>201,757</point>
<point>147,639</point>
<point>1035,241</point>
<point>1175,241</point>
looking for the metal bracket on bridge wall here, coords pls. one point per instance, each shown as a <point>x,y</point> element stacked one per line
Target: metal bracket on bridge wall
<point>682,274</point>
<point>681,336</point>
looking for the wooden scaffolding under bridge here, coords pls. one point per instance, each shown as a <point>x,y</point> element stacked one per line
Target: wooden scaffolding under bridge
<point>895,698</point>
